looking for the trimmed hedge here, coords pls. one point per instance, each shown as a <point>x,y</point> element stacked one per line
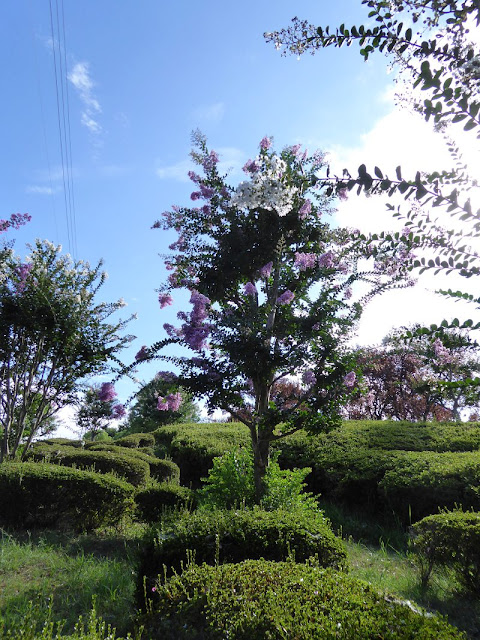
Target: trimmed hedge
<point>161,470</point>
<point>78,444</point>
<point>450,538</point>
<point>233,536</point>
<point>151,502</point>
<point>46,495</point>
<point>255,600</point>
<point>419,483</point>
<point>136,440</point>
<point>194,446</point>
<point>132,469</point>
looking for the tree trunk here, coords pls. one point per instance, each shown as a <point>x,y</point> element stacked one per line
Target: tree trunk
<point>261,453</point>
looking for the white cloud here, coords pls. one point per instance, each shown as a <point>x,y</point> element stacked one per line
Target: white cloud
<point>212,113</point>
<point>80,78</point>
<point>404,139</point>
<point>43,191</point>
<point>178,171</point>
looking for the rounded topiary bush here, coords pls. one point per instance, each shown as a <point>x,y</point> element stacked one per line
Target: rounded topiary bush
<point>257,599</point>
<point>131,468</point>
<point>450,538</point>
<point>152,502</point>
<point>161,470</point>
<point>136,440</point>
<point>233,536</point>
<point>46,495</point>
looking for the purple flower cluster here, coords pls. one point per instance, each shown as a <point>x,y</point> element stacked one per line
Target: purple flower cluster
<point>194,331</point>
<point>309,378</point>
<point>305,209</point>
<point>106,392</point>
<point>343,194</point>
<point>265,143</point>
<point>443,354</point>
<point>348,293</point>
<point>171,331</point>
<point>350,379</point>
<point>305,261</point>
<point>286,297</point>
<point>142,354</point>
<point>171,403</point>
<point>294,149</point>
<point>266,270</point>
<point>326,260</point>
<point>194,177</point>
<point>118,411</point>
<point>178,245</point>
<point>23,271</point>
<point>164,299</point>
<point>250,166</point>
<point>250,289</point>
<point>209,161</point>
<point>166,376</point>
<point>16,221</point>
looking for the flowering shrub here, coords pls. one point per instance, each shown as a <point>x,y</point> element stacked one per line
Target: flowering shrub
<point>273,292</point>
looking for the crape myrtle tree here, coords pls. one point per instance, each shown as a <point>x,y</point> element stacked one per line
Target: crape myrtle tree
<point>53,334</point>
<point>409,378</point>
<point>97,409</point>
<point>160,402</point>
<point>275,292</point>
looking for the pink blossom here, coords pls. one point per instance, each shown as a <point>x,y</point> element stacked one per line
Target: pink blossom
<point>305,209</point>
<point>266,270</point>
<point>348,293</point>
<point>207,192</point>
<point>250,289</point>
<point>142,354</point>
<point>16,221</point>
<point>309,377</point>
<point>305,261</point>
<point>174,400</point>
<point>294,149</point>
<point>161,404</point>
<point>165,299</point>
<point>265,143</point>
<point>195,195</point>
<point>250,166</point>
<point>194,177</point>
<point>286,297</point>
<point>209,161</point>
<point>23,271</point>
<point>326,260</point>
<point>350,379</point>
<point>106,392</point>
<point>118,411</point>
<point>343,194</point>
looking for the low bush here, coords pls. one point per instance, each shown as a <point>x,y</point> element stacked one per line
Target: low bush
<point>62,441</point>
<point>194,446</point>
<point>45,495</point>
<point>136,440</point>
<point>233,536</point>
<point>450,538</point>
<point>419,483</point>
<point>132,469</point>
<point>230,484</point>
<point>152,502</point>
<point>161,470</point>
<point>255,600</point>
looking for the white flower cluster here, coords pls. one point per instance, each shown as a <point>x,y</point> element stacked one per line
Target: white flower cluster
<point>267,188</point>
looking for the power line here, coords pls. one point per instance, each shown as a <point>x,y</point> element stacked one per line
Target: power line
<point>64,134</point>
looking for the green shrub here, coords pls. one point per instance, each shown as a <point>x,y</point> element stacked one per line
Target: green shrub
<point>136,440</point>
<point>151,502</point>
<point>61,441</point>
<point>45,495</point>
<point>233,536</point>
<point>132,469</point>
<point>420,483</point>
<point>450,538</point>
<point>161,470</point>
<point>194,446</point>
<point>255,600</point>
<point>230,484</point>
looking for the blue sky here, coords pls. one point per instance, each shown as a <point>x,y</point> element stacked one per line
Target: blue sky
<point>141,77</point>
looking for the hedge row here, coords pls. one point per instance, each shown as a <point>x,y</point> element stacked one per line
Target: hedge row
<point>152,501</point>
<point>232,536</point>
<point>161,470</point>
<point>45,495</point>
<point>255,600</point>
<point>131,468</point>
